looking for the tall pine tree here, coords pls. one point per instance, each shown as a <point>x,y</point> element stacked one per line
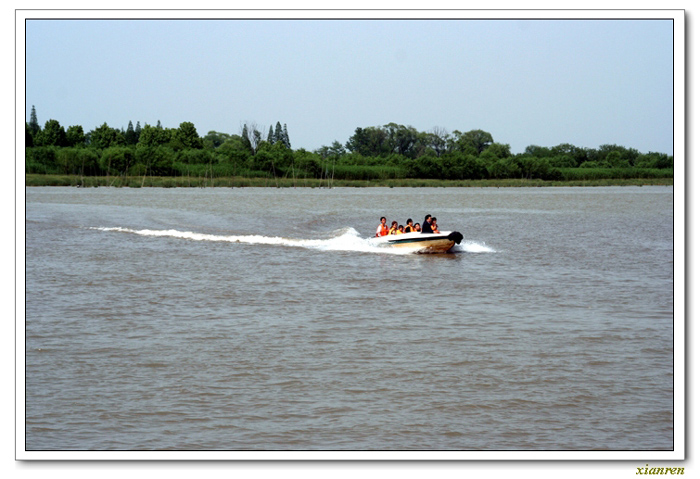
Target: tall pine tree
<point>285,137</point>
<point>130,135</point>
<point>278,132</point>
<point>34,127</point>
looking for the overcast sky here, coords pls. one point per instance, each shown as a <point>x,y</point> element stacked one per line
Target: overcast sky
<point>527,82</point>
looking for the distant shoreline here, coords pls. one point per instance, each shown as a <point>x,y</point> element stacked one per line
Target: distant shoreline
<point>234,182</point>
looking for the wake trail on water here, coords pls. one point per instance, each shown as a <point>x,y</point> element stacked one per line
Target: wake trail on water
<point>346,239</point>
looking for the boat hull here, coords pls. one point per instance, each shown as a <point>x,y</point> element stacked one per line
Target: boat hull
<point>421,243</point>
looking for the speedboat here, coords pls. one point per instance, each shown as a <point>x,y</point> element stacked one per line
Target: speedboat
<point>421,242</point>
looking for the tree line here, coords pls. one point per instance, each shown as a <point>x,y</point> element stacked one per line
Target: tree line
<point>375,152</point>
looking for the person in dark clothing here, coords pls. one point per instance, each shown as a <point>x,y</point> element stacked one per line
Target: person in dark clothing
<point>426,225</point>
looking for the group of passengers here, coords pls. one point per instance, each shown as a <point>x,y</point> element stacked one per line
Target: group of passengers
<point>429,226</point>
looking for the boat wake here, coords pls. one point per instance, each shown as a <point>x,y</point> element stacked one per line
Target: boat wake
<point>346,239</point>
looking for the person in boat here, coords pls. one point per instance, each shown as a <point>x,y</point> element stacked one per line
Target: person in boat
<point>382,229</point>
<point>416,228</point>
<point>394,228</point>
<point>401,230</point>
<point>434,226</point>
<point>409,226</point>
<point>426,228</point>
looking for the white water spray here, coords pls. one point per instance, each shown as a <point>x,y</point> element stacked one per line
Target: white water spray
<point>346,239</point>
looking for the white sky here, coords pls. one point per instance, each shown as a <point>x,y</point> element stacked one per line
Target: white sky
<point>543,82</point>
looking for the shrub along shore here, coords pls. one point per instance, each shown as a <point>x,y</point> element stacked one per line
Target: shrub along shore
<point>388,155</point>
<point>272,182</point>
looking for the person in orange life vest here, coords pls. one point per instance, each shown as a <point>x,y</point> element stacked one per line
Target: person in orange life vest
<point>382,229</point>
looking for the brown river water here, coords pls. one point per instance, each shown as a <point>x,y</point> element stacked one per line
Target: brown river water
<point>262,319</point>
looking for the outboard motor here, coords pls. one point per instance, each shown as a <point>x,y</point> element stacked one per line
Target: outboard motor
<point>455,236</point>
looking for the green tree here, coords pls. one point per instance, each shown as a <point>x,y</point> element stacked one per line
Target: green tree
<point>654,160</point>
<point>130,135</point>
<point>283,157</point>
<point>285,137</point>
<point>358,142</point>
<point>496,151</point>
<point>263,159</point>
<point>589,164</point>
<point>563,161</point>
<point>436,140</point>
<point>235,151</point>
<point>336,150</point>
<point>34,127</point>
<point>186,137</point>
<point>473,141</point>
<point>88,159</point>
<point>158,160</point>
<point>504,168</point>
<point>53,134</point>
<point>307,163</point>
<point>664,161</point>
<point>68,160</point>
<point>194,156</point>
<point>116,160</point>
<point>105,137</point>
<point>28,137</point>
<point>214,139</point>
<point>401,139</point>
<point>426,166</point>
<point>614,159</point>
<point>41,159</point>
<point>567,155</point>
<point>449,167</point>
<point>277,136</point>
<point>567,149</point>
<point>246,138</point>
<point>538,151</point>
<point>75,136</point>
<point>532,168</point>
<point>628,155</point>
<point>462,166</point>
<point>153,136</point>
<point>371,141</point>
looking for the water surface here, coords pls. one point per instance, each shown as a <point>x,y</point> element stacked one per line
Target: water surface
<point>262,319</point>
